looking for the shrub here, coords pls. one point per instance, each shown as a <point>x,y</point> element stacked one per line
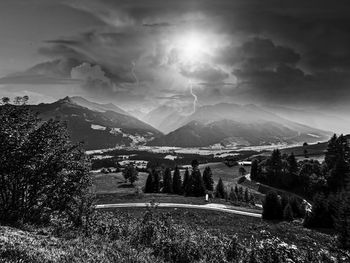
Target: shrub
<point>297,207</point>
<point>288,213</point>
<point>130,173</point>
<point>41,172</point>
<point>241,179</point>
<point>272,208</point>
<point>320,215</point>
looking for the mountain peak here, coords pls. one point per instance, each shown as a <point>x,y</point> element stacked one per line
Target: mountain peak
<point>66,100</point>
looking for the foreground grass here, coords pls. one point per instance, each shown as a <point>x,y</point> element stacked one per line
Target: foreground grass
<point>139,235</point>
<point>242,226</point>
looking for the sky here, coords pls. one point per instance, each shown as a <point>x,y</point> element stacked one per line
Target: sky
<point>140,54</point>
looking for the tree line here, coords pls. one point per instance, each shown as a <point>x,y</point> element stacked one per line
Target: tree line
<point>194,184</point>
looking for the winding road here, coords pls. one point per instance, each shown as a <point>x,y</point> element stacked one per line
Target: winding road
<point>212,207</point>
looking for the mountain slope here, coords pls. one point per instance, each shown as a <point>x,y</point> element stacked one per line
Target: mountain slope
<point>314,118</point>
<point>97,129</point>
<point>97,106</point>
<point>234,133</point>
<point>164,118</point>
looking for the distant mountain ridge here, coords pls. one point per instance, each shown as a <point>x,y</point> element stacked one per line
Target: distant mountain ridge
<point>98,129</point>
<point>97,106</point>
<point>233,124</point>
<point>106,125</point>
<point>164,118</point>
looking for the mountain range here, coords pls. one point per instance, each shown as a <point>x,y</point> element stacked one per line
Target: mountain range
<point>107,125</point>
<point>99,126</point>
<point>231,125</point>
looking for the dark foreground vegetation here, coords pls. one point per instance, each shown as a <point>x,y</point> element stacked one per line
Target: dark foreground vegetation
<point>42,174</point>
<point>326,185</point>
<point>183,236</point>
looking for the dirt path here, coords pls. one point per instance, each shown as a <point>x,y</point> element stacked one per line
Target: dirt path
<point>213,207</point>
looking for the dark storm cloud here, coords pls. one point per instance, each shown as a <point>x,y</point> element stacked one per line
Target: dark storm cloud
<point>205,72</point>
<point>259,53</point>
<point>290,36</point>
<point>283,51</point>
<point>163,24</point>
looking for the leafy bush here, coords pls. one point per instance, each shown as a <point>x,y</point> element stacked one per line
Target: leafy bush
<point>41,172</point>
<point>130,173</point>
<point>272,208</point>
<point>288,213</point>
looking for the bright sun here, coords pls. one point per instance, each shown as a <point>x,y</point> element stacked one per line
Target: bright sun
<point>192,47</point>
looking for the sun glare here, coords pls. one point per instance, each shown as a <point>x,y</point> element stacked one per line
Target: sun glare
<point>192,47</point>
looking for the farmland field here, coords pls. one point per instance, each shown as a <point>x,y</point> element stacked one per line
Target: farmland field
<point>115,182</point>
<point>112,188</point>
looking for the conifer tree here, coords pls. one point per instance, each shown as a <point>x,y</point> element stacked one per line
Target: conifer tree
<point>337,159</point>
<point>177,184</point>
<point>246,196</point>
<point>149,183</point>
<point>274,168</point>
<point>208,179</point>
<point>220,189</point>
<point>233,196</point>
<point>185,181</point>
<point>292,164</point>
<point>342,218</point>
<point>236,191</point>
<point>254,170</point>
<point>332,152</point>
<point>195,185</point>
<point>156,181</point>
<point>240,194</point>
<point>167,181</point>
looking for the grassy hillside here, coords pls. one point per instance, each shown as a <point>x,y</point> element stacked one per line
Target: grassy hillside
<point>180,235</point>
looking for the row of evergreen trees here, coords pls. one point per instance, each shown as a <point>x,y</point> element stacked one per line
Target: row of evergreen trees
<point>193,184</point>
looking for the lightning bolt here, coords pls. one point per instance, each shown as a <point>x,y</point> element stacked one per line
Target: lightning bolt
<point>133,65</point>
<point>195,98</point>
